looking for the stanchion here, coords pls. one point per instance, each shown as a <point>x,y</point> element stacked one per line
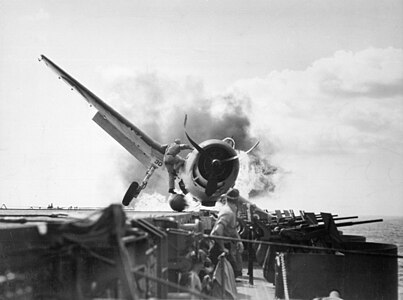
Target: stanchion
<point>250,256</point>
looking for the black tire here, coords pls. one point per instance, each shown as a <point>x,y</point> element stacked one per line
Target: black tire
<point>130,194</point>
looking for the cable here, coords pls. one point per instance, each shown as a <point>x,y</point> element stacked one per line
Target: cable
<point>286,244</point>
<point>284,273</point>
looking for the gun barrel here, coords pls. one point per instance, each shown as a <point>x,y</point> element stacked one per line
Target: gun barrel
<point>345,218</point>
<point>358,222</point>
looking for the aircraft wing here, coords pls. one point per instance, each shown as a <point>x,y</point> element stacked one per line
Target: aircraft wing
<point>141,146</point>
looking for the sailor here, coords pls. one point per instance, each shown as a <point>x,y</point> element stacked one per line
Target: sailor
<point>173,161</point>
<point>226,226</point>
<point>191,279</point>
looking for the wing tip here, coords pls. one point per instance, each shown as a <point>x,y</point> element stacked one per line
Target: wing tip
<point>44,58</point>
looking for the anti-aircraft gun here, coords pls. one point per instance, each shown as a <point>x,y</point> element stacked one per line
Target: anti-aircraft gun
<point>309,252</point>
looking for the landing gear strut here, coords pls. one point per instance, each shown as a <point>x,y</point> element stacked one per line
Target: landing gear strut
<point>135,188</point>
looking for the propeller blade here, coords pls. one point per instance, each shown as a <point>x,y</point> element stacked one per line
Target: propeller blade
<point>212,185</point>
<point>237,156</point>
<point>230,158</point>
<point>253,147</point>
<point>192,142</point>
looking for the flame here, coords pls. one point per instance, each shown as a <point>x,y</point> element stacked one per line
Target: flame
<point>255,179</point>
<point>255,176</point>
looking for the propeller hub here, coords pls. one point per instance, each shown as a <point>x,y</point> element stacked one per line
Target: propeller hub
<point>216,163</point>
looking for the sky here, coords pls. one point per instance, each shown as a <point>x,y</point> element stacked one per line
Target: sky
<point>320,81</point>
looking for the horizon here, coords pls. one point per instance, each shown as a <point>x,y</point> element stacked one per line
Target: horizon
<point>133,209</point>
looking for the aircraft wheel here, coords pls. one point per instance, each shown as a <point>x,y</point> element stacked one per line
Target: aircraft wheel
<point>130,194</point>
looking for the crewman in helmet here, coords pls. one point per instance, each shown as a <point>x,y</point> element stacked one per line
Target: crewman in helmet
<point>173,161</point>
<point>226,226</point>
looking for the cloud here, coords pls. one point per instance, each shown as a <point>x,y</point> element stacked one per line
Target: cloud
<point>372,73</point>
<point>112,74</point>
<point>40,15</point>
<point>341,106</point>
<point>344,103</point>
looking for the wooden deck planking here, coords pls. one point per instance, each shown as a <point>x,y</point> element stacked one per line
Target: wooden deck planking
<point>261,288</point>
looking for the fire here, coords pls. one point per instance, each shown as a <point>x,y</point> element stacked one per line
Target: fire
<point>255,176</point>
<point>254,179</point>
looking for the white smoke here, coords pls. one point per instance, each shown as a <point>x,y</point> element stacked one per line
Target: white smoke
<point>347,106</point>
<point>151,202</point>
<point>157,105</point>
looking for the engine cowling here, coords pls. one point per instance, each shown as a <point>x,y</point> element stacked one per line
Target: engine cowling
<point>201,167</point>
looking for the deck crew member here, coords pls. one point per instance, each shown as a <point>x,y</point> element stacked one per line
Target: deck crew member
<point>226,226</point>
<point>191,279</point>
<point>173,161</point>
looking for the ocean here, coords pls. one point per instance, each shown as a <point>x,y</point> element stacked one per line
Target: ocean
<point>390,231</point>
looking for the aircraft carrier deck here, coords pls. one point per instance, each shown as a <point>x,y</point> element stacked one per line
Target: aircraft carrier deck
<point>12,221</point>
<point>116,253</point>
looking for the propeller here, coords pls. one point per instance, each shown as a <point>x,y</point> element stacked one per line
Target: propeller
<point>214,164</point>
<point>212,181</point>
<point>237,156</point>
<point>212,184</point>
<point>194,144</point>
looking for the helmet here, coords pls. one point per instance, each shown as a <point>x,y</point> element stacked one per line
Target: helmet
<point>232,195</point>
<point>177,141</point>
<point>178,202</point>
<point>199,256</point>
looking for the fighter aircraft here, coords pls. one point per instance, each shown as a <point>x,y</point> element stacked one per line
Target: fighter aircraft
<point>209,171</point>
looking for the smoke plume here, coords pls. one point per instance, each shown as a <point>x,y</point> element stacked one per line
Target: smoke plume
<point>158,106</point>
